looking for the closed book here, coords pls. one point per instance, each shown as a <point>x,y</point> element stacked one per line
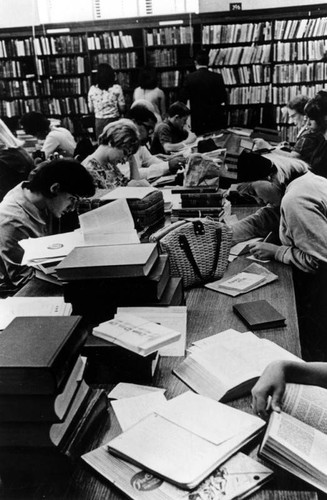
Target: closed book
<point>259,314</point>
<point>194,189</point>
<point>42,408</point>
<point>197,212</point>
<point>190,200</point>
<point>37,353</point>
<point>108,261</point>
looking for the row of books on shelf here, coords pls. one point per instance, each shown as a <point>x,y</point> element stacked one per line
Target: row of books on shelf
<point>300,28</point>
<point>248,116</point>
<point>18,88</point>
<point>118,60</point>
<point>61,65</point>
<point>250,95</point>
<point>309,50</point>
<point>286,93</point>
<point>109,40</point>
<point>13,69</point>
<point>163,57</point>
<point>175,35</point>
<point>18,107</point>
<point>64,105</point>
<point>16,48</point>
<point>236,33</point>
<point>169,78</point>
<point>293,73</point>
<point>254,74</point>
<point>66,85</point>
<point>252,54</point>
<point>45,46</point>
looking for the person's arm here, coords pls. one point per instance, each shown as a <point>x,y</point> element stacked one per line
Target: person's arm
<point>162,103</point>
<point>149,165</point>
<point>50,145</point>
<point>274,378</point>
<point>121,101</point>
<point>262,222</point>
<point>90,101</point>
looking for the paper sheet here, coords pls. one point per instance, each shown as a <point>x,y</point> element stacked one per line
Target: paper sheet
<point>128,390</point>
<point>129,411</point>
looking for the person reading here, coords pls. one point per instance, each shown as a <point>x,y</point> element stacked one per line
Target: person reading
<point>27,211</point>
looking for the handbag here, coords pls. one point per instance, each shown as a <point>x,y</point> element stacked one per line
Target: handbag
<point>198,250</point>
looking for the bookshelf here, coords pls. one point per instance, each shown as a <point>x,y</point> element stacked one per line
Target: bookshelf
<point>266,57</point>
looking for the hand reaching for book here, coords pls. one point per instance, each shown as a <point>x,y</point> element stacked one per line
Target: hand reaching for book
<point>268,392</point>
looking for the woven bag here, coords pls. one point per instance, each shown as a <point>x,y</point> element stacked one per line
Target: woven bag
<point>198,250</point>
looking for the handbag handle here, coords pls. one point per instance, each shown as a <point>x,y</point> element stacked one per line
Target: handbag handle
<point>185,246</point>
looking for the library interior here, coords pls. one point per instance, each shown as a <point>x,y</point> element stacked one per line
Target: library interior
<point>163,250</point>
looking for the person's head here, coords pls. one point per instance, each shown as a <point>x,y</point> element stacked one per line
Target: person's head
<point>178,114</point>
<point>105,76</point>
<point>201,58</point>
<point>144,119</point>
<point>36,124</point>
<point>296,111</point>
<point>121,139</point>
<point>316,111</point>
<point>60,183</point>
<point>148,78</point>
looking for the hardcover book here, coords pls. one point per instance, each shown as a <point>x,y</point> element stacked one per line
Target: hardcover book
<point>259,314</point>
<point>108,261</point>
<point>38,353</point>
<point>296,439</point>
<point>238,477</point>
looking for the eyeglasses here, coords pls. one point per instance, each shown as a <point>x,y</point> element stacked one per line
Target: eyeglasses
<point>148,128</point>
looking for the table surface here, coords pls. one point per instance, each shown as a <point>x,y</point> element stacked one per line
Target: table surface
<point>209,312</point>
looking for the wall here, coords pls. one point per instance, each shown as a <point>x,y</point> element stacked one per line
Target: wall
<point>223,5</point>
<point>18,13</point>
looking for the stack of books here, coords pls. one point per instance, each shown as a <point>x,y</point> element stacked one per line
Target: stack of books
<point>199,202</point>
<point>46,407</point>
<point>98,279</point>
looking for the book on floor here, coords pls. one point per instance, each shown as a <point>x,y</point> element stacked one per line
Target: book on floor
<point>296,438</point>
<point>225,366</point>
<point>136,333</point>
<point>37,353</point>
<point>186,439</point>
<point>104,261</point>
<point>238,477</point>
<point>259,314</point>
<point>43,408</point>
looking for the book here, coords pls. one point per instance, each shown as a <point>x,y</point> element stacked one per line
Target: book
<point>37,353</point>
<point>259,314</point>
<point>108,261</point>
<point>128,193</point>
<point>135,333</point>
<point>194,189</point>
<point>242,282</point>
<point>296,439</point>
<point>39,408</point>
<point>238,477</point>
<point>190,200</point>
<point>164,442</point>
<point>254,268</point>
<point>225,366</point>
<point>11,307</point>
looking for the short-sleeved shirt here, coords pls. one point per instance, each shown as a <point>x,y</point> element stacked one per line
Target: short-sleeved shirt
<point>59,140</point>
<point>166,132</point>
<point>106,103</point>
<point>106,176</point>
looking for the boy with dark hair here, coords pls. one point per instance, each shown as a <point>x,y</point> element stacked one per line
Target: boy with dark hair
<point>206,92</point>
<point>173,134</point>
<point>51,190</point>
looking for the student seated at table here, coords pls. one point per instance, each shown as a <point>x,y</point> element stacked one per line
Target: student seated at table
<point>117,143</point>
<point>56,139</point>
<point>297,205</point>
<point>274,378</point>
<point>150,166</point>
<point>173,134</point>
<point>27,211</point>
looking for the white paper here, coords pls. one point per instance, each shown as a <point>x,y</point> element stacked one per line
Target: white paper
<point>127,193</point>
<point>129,411</point>
<point>128,390</point>
<point>113,217</point>
<point>47,247</point>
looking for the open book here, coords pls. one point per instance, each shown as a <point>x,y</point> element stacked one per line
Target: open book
<point>186,439</point>
<point>296,438</point>
<point>225,366</point>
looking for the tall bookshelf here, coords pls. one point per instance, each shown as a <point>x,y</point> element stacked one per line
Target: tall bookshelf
<point>266,57</point>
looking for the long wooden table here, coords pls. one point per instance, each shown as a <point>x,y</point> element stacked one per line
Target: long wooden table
<point>209,312</point>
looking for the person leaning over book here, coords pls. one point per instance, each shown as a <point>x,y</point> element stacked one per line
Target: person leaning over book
<point>150,166</point>
<point>296,206</point>
<point>173,134</point>
<point>56,139</point>
<point>27,211</point>
<point>118,142</point>
<point>273,381</point>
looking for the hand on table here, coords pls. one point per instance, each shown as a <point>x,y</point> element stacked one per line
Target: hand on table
<point>262,250</point>
<point>176,163</point>
<point>261,144</point>
<point>271,383</point>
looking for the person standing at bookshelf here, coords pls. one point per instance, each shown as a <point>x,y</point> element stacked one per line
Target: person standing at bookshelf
<point>118,142</point>
<point>206,92</point>
<point>173,134</point>
<point>56,139</point>
<point>148,90</point>
<point>105,98</point>
<point>27,211</point>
